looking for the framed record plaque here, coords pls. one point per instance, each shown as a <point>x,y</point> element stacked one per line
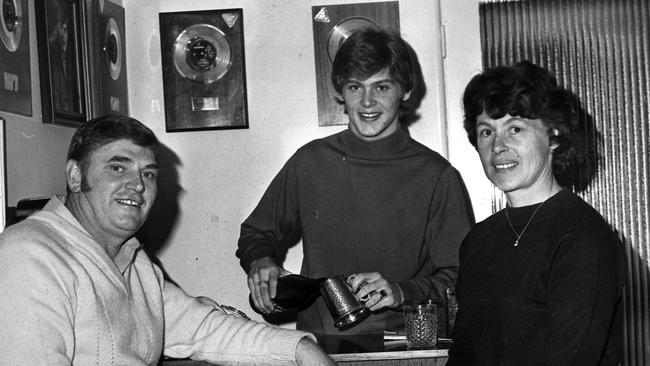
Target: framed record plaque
<point>107,58</point>
<point>16,90</point>
<point>332,25</point>
<point>204,77</point>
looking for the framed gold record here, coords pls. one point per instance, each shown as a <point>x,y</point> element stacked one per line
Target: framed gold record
<point>202,53</point>
<point>11,23</point>
<point>107,58</point>
<point>343,30</point>
<point>204,77</point>
<point>332,25</point>
<point>113,49</point>
<point>16,85</point>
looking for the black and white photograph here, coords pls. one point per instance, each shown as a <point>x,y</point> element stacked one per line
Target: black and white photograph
<point>322,183</point>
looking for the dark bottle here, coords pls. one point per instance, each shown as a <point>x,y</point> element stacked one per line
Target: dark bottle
<point>294,293</point>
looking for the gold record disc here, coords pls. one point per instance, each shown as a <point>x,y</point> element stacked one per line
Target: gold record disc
<point>341,31</point>
<point>113,49</point>
<point>202,53</point>
<point>11,23</point>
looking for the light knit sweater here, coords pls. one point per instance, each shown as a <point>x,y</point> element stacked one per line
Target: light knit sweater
<point>66,302</point>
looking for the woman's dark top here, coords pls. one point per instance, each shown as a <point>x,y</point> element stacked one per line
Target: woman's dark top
<point>555,299</point>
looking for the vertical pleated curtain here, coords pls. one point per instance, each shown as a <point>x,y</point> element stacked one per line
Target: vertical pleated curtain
<point>600,50</point>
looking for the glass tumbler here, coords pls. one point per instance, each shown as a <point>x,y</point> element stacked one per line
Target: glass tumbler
<point>421,323</point>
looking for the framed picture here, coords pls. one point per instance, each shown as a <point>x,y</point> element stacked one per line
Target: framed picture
<point>332,25</point>
<point>62,61</point>
<point>204,77</point>
<point>16,84</point>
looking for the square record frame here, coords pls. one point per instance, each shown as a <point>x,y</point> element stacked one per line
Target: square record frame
<point>327,21</point>
<point>16,87</point>
<point>203,67</point>
<point>107,59</point>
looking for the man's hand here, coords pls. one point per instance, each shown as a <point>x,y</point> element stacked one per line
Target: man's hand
<point>308,353</point>
<point>375,291</point>
<point>263,282</point>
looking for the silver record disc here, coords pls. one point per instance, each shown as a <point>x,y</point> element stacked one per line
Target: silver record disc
<point>341,31</point>
<point>11,23</point>
<point>202,53</point>
<point>113,49</point>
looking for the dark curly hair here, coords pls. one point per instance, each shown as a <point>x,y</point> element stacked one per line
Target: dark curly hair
<point>530,91</point>
<point>369,51</point>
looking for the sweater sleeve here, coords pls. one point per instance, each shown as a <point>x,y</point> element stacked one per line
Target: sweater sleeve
<point>585,284</point>
<point>199,331</point>
<point>450,219</point>
<point>274,225</point>
<point>36,312</point>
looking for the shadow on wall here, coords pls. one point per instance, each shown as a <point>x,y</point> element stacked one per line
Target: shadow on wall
<point>585,138</point>
<point>417,93</point>
<point>155,232</point>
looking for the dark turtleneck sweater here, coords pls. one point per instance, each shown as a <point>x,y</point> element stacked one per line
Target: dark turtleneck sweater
<point>391,206</point>
<point>555,299</point>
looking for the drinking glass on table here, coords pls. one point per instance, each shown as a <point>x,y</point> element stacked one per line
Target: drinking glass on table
<point>421,323</point>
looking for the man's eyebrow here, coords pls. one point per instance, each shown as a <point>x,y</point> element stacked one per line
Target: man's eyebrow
<point>386,80</point>
<point>125,159</point>
<point>120,159</point>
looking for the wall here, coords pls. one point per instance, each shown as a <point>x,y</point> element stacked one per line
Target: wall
<point>462,60</point>
<point>222,174</point>
<point>35,151</point>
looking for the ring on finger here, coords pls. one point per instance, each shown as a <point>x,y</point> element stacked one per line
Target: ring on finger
<point>382,294</point>
<point>367,296</point>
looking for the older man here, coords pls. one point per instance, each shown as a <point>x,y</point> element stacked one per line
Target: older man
<point>77,288</point>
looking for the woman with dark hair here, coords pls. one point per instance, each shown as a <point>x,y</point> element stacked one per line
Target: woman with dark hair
<point>540,281</point>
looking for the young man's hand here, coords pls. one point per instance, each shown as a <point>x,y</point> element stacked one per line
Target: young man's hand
<point>263,282</point>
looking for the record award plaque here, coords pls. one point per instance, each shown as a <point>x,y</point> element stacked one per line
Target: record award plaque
<point>332,25</point>
<point>203,70</point>
<point>16,90</point>
<point>107,58</point>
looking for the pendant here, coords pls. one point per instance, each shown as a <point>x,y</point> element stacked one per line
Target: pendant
<point>516,243</point>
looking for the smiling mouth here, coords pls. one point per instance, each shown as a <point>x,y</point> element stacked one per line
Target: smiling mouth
<point>370,116</point>
<point>128,202</point>
<point>505,166</point>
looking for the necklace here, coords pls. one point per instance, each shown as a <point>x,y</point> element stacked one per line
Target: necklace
<point>525,227</point>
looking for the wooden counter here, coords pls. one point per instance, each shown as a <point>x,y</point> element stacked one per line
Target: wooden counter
<point>402,358</point>
<point>366,350</point>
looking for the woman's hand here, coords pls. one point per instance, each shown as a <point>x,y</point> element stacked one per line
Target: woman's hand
<point>375,291</point>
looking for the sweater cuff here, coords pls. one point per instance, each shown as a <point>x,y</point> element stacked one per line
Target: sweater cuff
<point>285,345</point>
<point>255,251</point>
<point>410,292</point>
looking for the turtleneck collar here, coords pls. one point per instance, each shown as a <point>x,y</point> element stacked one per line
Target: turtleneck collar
<point>386,148</point>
